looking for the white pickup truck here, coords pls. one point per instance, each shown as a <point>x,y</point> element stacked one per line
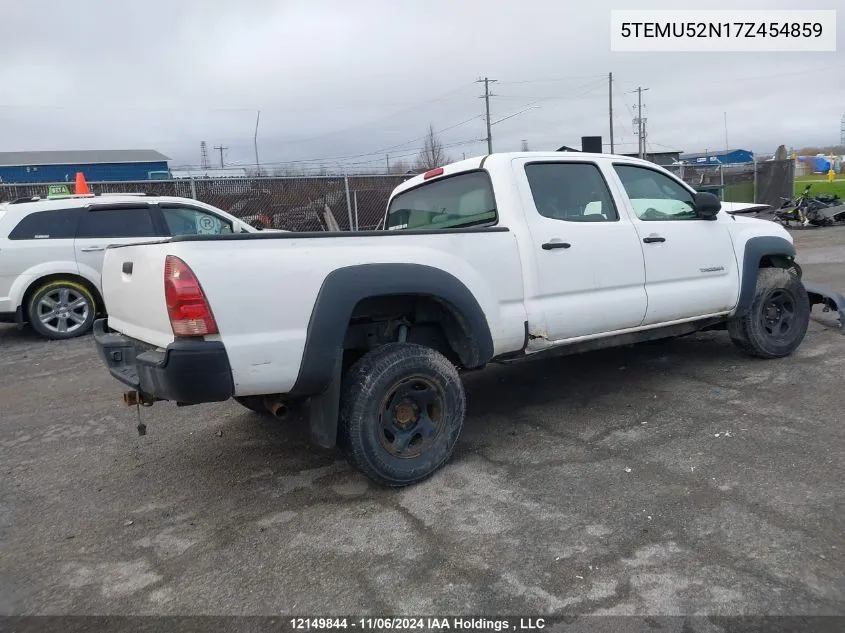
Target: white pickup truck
<point>490,259</point>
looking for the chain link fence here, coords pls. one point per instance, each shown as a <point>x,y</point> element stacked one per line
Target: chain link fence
<point>315,203</point>
<point>764,182</point>
<point>312,203</point>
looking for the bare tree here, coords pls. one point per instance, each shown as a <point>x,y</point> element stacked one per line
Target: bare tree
<point>432,154</point>
<point>399,167</point>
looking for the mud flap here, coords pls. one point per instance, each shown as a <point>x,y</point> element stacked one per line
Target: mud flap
<point>323,409</point>
<point>829,298</point>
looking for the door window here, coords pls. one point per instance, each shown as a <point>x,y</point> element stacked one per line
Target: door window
<point>655,196</point>
<point>46,225</point>
<point>117,222</point>
<point>572,192</point>
<point>191,221</point>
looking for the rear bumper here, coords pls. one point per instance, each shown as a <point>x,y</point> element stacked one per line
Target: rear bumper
<point>188,371</point>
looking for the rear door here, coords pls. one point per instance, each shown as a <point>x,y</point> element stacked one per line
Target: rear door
<point>39,243</point>
<point>690,265</point>
<point>104,225</point>
<point>589,276</point>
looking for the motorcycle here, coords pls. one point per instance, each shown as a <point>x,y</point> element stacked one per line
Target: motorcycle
<point>806,210</point>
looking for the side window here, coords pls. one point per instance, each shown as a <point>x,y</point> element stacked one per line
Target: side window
<point>46,225</point>
<point>189,221</point>
<point>655,196</point>
<point>572,192</point>
<point>117,222</point>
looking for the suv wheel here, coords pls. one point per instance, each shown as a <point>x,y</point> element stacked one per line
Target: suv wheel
<point>61,309</point>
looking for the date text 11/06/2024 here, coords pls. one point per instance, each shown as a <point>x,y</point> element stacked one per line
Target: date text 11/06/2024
<point>417,623</point>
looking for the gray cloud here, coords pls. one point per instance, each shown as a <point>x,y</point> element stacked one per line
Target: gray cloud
<point>340,81</point>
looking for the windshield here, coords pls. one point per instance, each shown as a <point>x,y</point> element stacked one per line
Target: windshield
<point>452,202</point>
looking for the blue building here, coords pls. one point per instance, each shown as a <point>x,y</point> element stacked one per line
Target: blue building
<point>97,165</point>
<point>729,157</point>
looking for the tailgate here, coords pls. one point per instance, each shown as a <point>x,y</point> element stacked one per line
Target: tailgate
<point>133,289</point>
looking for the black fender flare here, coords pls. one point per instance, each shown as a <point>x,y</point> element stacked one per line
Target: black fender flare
<point>756,248</point>
<point>345,287</point>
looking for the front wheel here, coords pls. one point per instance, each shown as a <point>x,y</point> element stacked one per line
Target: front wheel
<point>61,309</point>
<point>777,321</point>
<point>402,410</point>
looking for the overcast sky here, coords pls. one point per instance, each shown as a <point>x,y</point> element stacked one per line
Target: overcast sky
<point>352,80</point>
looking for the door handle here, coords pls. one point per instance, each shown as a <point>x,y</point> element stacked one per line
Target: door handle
<point>651,240</point>
<point>92,249</point>
<point>550,245</point>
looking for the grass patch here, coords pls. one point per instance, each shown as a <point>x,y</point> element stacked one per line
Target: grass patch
<point>821,185</point>
<point>741,192</point>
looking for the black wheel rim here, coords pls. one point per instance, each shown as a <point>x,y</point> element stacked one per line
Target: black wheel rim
<point>777,314</point>
<point>411,417</point>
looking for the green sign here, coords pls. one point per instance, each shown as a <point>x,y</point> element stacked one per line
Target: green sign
<point>58,190</point>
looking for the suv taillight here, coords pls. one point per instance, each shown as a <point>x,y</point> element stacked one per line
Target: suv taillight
<point>187,307</point>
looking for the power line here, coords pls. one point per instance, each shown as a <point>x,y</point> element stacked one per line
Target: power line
<point>358,126</point>
<point>548,80</point>
<point>754,77</point>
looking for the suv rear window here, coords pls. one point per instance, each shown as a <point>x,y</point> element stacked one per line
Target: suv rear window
<point>452,202</point>
<point>58,224</point>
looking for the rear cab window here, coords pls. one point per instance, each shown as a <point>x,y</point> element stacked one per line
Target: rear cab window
<point>463,200</point>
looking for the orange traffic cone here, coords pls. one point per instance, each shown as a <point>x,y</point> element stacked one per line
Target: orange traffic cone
<point>81,185</point>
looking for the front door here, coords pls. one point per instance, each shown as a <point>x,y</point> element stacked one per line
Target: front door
<point>589,276</point>
<point>691,269</point>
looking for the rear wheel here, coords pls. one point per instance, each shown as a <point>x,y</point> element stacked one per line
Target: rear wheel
<point>777,321</point>
<point>61,309</point>
<point>402,410</point>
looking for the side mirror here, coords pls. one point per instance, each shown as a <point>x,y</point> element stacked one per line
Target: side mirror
<point>707,206</point>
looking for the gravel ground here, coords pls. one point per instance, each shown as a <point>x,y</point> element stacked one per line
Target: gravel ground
<point>669,478</point>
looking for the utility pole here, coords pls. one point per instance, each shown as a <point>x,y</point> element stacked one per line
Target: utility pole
<point>203,155</point>
<point>640,122</point>
<point>610,107</point>
<point>220,148</point>
<point>387,160</point>
<point>255,142</point>
<point>487,81</point>
<point>842,131</point>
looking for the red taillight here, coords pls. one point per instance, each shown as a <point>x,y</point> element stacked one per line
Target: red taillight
<point>189,312</point>
<point>431,173</point>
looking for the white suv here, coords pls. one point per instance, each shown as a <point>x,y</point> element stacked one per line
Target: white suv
<point>51,251</point>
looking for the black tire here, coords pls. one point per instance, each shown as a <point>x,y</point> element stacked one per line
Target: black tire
<point>775,325</point>
<point>402,410</point>
<point>74,308</point>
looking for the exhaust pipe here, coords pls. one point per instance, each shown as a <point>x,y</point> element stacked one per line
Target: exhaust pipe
<point>277,407</point>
